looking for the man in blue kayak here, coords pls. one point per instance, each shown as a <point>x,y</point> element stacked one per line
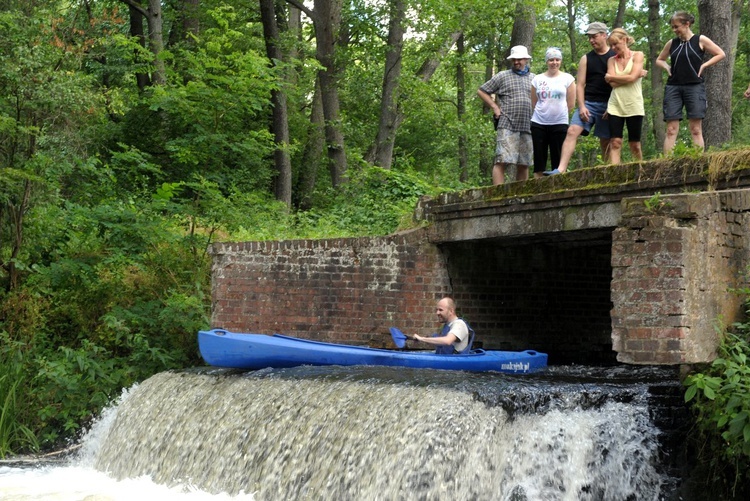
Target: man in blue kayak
<point>454,337</point>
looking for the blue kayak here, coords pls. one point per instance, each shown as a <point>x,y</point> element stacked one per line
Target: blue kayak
<point>221,348</point>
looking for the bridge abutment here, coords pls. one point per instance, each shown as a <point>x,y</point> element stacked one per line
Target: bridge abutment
<point>632,263</point>
<point>675,261</point>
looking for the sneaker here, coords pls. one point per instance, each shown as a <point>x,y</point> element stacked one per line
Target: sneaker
<point>551,172</point>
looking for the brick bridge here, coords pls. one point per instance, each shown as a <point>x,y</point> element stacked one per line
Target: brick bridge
<point>632,263</point>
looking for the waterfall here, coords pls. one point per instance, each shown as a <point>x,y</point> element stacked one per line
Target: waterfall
<point>386,433</point>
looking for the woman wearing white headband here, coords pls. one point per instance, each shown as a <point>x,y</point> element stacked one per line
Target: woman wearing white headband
<point>553,95</point>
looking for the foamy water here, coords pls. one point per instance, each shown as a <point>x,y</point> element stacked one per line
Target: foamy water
<point>77,483</point>
<point>366,434</point>
<point>77,480</point>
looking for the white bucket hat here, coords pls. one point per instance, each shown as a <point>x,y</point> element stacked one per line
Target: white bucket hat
<point>519,52</point>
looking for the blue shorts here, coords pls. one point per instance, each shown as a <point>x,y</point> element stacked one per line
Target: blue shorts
<point>596,110</point>
<point>692,97</point>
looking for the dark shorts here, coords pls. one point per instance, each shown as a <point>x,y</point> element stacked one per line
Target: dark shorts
<point>596,110</point>
<point>691,97</point>
<point>634,123</point>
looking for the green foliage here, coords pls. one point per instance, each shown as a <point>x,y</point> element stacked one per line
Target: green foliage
<point>720,396</point>
<point>213,109</point>
<point>14,434</point>
<point>116,293</point>
<point>72,384</point>
<point>375,201</point>
<point>112,190</point>
<point>656,203</point>
<point>684,147</point>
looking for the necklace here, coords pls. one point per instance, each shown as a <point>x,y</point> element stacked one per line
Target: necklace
<point>621,60</point>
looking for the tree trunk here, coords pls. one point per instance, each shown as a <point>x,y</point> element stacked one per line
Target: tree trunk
<point>463,160</point>
<point>620,14</point>
<point>136,30</point>
<point>154,20</point>
<point>657,76</point>
<point>524,25</point>
<point>487,151</point>
<point>716,22</point>
<point>280,120</point>
<point>327,21</point>
<point>382,152</point>
<point>572,30</point>
<point>16,219</point>
<point>187,22</point>
<point>313,154</point>
<point>430,65</point>
<point>425,72</point>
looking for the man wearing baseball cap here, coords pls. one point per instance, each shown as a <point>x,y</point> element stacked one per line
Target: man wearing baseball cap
<point>512,110</point>
<point>592,93</point>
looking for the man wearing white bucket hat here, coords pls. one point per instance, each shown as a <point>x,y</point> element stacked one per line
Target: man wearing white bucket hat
<point>511,107</point>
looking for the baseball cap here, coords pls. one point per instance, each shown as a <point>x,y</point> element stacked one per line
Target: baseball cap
<point>595,28</point>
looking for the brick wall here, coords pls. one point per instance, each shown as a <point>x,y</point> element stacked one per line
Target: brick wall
<point>673,262</point>
<point>517,297</point>
<point>337,290</point>
<point>648,292</point>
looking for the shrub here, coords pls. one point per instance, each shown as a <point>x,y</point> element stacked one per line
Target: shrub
<point>14,434</point>
<point>720,397</point>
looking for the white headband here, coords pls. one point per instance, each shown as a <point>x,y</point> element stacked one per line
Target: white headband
<point>553,53</point>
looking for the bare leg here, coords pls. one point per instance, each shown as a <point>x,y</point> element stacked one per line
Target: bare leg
<point>569,146</point>
<point>498,174</point>
<point>696,131</point>
<point>604,144</point>
<point>522,172</point>
<point>673,127</point>
<point>635,150</point>
<point>615,150</point>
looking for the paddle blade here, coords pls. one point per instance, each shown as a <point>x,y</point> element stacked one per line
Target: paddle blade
<point>399,338</point>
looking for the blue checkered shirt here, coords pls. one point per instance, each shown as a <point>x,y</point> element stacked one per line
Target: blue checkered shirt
<point>513,95</point>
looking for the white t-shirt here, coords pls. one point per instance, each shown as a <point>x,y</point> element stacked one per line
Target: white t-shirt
<point>459,329</point>
<point>551,93</point>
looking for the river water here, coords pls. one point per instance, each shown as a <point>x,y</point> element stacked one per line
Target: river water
<point>370,433</point>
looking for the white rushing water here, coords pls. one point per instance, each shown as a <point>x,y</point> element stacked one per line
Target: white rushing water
<point>275,437</point>
<point>77,480</point>
<point>77,483</point>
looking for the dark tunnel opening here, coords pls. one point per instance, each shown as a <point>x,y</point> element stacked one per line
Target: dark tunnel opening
<point>548,293</point>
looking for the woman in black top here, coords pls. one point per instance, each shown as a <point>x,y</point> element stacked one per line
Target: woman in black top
<point>685,87</point>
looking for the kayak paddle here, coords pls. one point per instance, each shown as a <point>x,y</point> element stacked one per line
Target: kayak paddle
<point>399,338</point>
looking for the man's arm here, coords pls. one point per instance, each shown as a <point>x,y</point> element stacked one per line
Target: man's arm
<point>570,96</point>
<point>449,338</point>
<point>490,102</point>
<point>581,89</point>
